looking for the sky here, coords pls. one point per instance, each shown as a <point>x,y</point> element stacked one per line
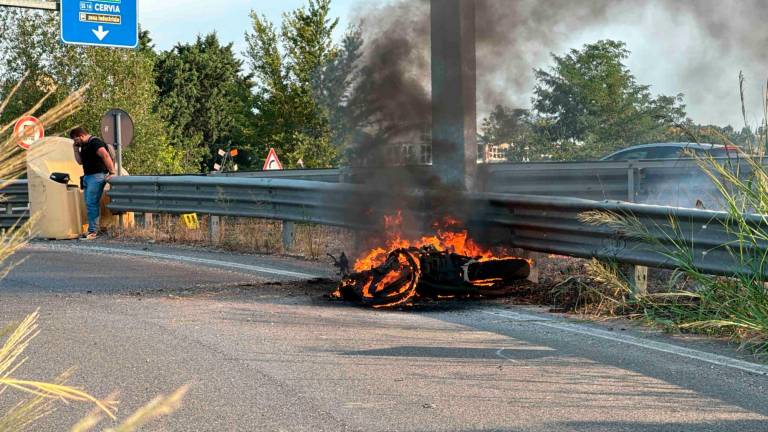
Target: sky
<point>666,48</point>
<point>172,21</point>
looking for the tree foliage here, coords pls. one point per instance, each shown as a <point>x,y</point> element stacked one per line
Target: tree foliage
<point>204,97</point>
<point>117,79</point>
<point>512,126</point>
<point>589,103</point>
<point>302,78</point>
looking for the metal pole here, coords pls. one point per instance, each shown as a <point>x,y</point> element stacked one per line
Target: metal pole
<point>638,273</point>
<point>119,154</point>
<point>32,4</point>
<point>118,147</point>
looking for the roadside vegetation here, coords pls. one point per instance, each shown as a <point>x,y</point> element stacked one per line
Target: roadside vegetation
<point>37,399</point>
<point>321,100</point>
<point>244,235</point>
<point>735,306</point>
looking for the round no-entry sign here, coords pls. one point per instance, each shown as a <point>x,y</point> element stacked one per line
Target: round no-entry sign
<point>27,130</point>
<point>117,125</point>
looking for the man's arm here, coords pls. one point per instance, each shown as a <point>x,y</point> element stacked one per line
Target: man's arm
<point>104,155</point>
<point>76,149</point>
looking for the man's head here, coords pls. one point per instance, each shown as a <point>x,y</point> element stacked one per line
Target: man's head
<point>79,135</point>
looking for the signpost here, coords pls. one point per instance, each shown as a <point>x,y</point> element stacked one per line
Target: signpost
<point>117,131</point>
<point>272,162</point>
<point>27,130</point>
<point>110,23</point>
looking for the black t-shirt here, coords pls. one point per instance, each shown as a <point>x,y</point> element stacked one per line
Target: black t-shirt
<point>92,162</point>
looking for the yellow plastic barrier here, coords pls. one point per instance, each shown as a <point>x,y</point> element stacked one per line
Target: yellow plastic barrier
<point>58,208</point>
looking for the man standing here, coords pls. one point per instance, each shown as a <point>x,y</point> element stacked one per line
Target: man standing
<point>98,167</point>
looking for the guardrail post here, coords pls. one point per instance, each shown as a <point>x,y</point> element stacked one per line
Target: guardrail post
<point>639,274</point>
<point>214,228</point>
<point>148,220</point>
<point>639,281</point>
<point>289,232</point>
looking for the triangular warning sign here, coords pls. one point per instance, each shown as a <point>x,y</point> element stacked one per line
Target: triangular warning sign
<point>272,162</point>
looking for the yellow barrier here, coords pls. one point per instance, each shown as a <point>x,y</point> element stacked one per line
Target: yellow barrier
<point>190,221</point>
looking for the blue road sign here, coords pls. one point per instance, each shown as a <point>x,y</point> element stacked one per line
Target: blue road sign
<point>112,23</point>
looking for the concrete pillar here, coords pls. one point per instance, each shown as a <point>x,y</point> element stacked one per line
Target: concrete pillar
<point>454,99</point>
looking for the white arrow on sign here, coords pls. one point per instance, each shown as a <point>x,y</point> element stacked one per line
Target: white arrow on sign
<point>100,33</point>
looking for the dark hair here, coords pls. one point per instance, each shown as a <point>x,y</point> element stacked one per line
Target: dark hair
<point>76,132</point>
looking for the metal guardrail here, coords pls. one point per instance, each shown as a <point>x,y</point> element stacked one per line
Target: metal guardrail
<point>330,175</point>
<point>270,198</point>
<point>14,207</point>
<point>673,182</point>
<point>551,224</point>
<point>540,223</point>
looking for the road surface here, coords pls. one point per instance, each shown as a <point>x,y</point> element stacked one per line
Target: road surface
<point>264,350</point>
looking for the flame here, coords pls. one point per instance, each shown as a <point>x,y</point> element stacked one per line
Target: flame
<point>449,238</point>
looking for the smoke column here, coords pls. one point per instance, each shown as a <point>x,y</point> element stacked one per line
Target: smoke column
<point>696,47</point>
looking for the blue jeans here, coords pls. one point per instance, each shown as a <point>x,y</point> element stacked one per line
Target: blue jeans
<point>94,187</point>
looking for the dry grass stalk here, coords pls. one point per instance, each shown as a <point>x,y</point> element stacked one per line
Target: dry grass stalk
<point>609,290</point>
<point>24,414</point>
<point>28,112</point>
<point>158,407</point>
<point>246,235</point>
<point>12,157</point>
<point>13,91</point>
<point>44,395</point>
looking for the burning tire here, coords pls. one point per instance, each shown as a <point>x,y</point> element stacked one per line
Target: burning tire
<point>391,284</point>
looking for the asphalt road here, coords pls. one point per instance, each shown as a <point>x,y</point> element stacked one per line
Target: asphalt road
<point>264,350</point>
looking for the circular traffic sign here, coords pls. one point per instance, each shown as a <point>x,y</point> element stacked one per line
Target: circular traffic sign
<point>109,127</point>
<point>27,130</point>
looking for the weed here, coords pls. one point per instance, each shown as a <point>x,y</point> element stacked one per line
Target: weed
<point>735,306</point>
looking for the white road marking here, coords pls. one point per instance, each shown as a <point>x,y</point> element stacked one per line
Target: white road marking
<point>186,259</point>
<point>500,353</point>
<point>631,340</point>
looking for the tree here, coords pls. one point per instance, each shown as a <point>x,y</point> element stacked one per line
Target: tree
<point>510,126</point>
<point>203,96</point>
<point>117,78</point>
<point>301,82</point>
<point>124,78</point>
<point>333,86</point>
<point>589,103</point>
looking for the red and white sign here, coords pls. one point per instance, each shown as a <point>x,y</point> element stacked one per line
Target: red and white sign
<point>272,162</point>
<point>28,130</point>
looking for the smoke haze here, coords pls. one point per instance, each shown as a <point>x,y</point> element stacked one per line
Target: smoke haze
<point>696,47</point>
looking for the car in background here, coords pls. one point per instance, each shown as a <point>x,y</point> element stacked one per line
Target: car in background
<point>671,150</point>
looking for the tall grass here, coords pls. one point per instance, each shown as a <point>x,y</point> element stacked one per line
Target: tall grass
<point>42,398</point>
<point>600,288</point>
<point>735,306</point>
